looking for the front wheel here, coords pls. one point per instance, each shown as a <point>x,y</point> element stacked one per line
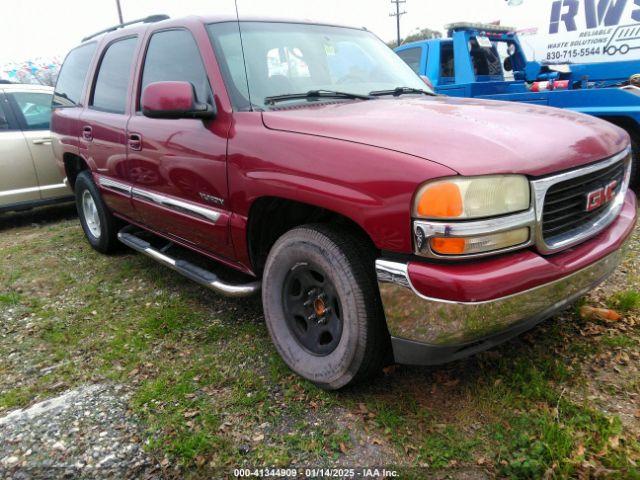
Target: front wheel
<point>99,225</point>
<point>322,306</point>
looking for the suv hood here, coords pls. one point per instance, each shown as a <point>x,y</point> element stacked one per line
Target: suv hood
<point>470,136</point>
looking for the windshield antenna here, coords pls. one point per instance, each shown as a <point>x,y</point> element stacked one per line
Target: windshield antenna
<point>244,60</point>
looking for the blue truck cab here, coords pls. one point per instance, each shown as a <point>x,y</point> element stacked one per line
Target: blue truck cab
<point>488,61</point>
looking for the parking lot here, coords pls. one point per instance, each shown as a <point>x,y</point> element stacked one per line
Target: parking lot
<point>181,381</point>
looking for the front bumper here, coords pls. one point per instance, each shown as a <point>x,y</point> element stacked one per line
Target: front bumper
<point>430,331</point>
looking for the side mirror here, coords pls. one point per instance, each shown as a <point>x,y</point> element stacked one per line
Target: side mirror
<point>174,100</point>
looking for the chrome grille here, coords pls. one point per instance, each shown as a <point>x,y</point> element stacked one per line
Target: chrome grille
<point>565,203</point>
<point>560,200</point>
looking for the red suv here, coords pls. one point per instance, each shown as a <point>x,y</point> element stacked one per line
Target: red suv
<point>380,221</point>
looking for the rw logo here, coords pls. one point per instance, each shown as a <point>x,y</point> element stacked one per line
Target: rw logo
<point>597,13</point>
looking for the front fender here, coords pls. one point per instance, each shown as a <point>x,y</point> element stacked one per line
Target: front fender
<point>371,186</point>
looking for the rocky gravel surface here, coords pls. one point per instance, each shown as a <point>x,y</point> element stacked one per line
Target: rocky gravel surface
<point>87,432</point>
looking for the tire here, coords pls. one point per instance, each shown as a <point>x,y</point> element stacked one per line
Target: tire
<point>99,225</point>
<point>349,342</point>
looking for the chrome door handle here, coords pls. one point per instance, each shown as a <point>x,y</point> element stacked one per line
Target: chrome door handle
<point>42,141</point>
<point>135,141</point>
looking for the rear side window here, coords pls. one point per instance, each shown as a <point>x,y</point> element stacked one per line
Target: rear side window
<point>412,57</point>
<point>173,56</point>
<point>486,61</point>
<point>72,76</point>
<point>447,66</point>
<point>110,91</point>
<point>35,109</point>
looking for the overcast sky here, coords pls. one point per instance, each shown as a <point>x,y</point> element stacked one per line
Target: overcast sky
<point>47,28</point>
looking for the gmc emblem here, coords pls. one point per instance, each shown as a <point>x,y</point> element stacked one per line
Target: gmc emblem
<point>601,196</point>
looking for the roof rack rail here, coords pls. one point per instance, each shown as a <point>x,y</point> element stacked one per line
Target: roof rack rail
<point>149,19</point>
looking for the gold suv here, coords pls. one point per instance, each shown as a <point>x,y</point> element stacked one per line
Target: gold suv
<point>29,175</point>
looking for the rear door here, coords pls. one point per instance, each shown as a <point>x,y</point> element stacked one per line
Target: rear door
<point>18,181</point>
<point>103,124</point>
<point>179,166</point>
<point>33,112</point>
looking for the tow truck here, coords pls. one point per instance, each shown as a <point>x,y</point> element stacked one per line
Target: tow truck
<point>487,61</point>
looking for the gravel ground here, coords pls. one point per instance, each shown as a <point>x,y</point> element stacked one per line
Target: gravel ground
<point>87,432</point>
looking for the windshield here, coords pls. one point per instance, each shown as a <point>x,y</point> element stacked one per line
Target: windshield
<point>290,58</point>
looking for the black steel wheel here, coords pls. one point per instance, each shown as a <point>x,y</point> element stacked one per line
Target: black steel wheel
<point>322,306</point>
<point>312,309</point>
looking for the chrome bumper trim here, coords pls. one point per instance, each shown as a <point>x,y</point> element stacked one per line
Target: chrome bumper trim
<point>438,322</point>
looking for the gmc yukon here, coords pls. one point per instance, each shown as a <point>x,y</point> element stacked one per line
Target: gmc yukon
<point>380,221</point>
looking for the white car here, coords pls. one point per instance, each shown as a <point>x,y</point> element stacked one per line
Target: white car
<point>29,175</point>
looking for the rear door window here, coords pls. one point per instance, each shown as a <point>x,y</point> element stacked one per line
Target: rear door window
<point>447,64</point>
<point>68,91</point>
<point>412,57</point>
<point>486,61</point>
<point>112,83</point>
<point>173,56</point>
<point>33,108</point>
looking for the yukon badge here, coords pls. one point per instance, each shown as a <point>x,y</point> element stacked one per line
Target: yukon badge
<point>601,196</point>
<point>211,199</point>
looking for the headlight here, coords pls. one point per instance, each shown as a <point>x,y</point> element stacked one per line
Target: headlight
<point>473,216</point>
<point>475,197</point>
<point>479,244</point>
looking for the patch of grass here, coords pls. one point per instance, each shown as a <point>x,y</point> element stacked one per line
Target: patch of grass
<point>170,317</point>
<point>390,417</point>
<point>439,448</point>
<point>533,443</point>
<point>626,301</point>
<point>16,397</point>
<point>618,341</point>
<point>10,298</point>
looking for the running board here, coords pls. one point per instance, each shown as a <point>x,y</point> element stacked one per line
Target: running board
<point>199,275</point>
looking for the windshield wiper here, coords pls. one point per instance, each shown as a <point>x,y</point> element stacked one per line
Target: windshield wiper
<point>312,94</point>
<point>396,92</point>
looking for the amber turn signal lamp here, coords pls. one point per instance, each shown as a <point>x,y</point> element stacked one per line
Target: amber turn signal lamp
<point>442,200</point>
<point>448,246</point>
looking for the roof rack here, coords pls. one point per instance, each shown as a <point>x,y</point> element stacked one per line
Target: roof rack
<point>149,19</point>
<point>484,27</point>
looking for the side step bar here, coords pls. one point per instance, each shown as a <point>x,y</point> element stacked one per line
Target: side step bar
<point>199,275</point>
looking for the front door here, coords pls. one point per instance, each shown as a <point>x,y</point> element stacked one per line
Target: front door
<point>179,166</point>
<point>18,181</point>
<point>33,111</point>
<point>103,139</point>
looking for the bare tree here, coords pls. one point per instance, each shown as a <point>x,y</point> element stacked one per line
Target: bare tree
<point>419,34</point>
<point>39,71</point>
